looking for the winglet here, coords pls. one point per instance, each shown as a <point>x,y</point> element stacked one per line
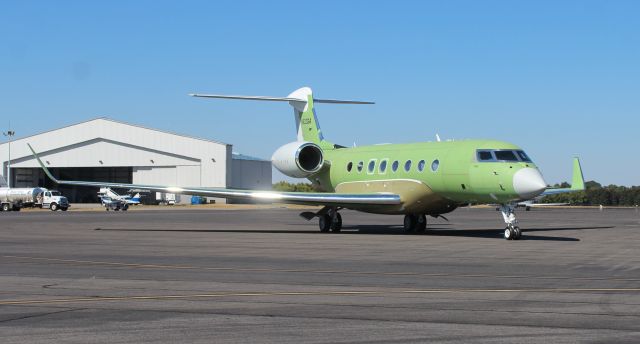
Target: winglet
<point>46,170</point>
<point>577,182</point>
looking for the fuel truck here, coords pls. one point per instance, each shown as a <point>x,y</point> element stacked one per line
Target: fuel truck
<point>17,198</point>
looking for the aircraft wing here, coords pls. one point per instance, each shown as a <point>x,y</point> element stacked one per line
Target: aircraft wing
<point>304,198</point>
<point>577,181</point>
<point>531,204</point>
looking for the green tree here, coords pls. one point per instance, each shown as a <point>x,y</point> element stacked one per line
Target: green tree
<point>291,187</point>
<point>596,194</point>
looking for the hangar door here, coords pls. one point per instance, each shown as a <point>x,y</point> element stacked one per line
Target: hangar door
<point>31,177</point>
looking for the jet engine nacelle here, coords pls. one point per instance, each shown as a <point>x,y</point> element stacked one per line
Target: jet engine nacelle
<point>298,159</point>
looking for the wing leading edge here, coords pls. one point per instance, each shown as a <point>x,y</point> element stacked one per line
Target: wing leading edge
<point>304,198</point>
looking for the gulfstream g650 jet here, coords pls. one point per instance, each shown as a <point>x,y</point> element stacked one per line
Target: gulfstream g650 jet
<point>416,180</point>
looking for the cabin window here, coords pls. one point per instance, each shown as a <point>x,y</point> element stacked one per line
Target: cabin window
<point>349,166</point>
<point>434,165</point>
<point>407,165</point>
<point>383,166</point>
<point>372,166</point>
<point>485,155</point>
<point>394,166</point>
<point>360,165</point>
<point>421,165</point>
<point>505,155</point>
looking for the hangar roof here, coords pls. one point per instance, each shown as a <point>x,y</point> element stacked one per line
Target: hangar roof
<point>120,122</point>
<point>104,142</point>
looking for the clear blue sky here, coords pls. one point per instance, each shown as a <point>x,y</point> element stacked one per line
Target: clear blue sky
<point>558,78</point>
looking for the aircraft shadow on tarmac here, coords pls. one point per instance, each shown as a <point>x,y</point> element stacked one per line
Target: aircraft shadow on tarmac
<point>384,230</point>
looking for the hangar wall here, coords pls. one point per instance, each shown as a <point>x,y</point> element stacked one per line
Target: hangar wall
<point>153,156</point>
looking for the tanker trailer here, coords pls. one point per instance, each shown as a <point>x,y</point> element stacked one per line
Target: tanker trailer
<point>17,198</point>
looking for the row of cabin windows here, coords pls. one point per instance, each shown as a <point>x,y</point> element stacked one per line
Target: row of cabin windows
<point>394,166</point>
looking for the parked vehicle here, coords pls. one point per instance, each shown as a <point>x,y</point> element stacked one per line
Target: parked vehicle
<point>163,198</point>
<point>17,198</point>
<point>113,204</point>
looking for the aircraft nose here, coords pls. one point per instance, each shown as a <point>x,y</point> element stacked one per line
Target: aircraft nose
<point>528,183</point>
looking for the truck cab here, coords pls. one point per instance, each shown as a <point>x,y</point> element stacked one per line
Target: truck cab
<point>53,200</point>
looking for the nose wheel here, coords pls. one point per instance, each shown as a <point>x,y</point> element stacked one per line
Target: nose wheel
<point>512,231</point>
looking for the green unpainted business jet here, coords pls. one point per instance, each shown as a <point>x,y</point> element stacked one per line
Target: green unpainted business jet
<point>416,180</point>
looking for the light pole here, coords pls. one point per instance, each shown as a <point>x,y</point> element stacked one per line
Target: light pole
<point>9,134</point>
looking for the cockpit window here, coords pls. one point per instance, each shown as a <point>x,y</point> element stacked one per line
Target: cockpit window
<point>523,156</point>
<point>505,155</point>
<point>485,156</point>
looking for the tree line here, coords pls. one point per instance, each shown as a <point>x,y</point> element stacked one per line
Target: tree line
<point>594,194</point>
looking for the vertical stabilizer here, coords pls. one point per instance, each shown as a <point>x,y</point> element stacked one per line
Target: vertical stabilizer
<point>307,124</point>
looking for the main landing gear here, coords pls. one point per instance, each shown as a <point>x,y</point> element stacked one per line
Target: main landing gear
<point>331,220</point>
<point>415,223</point>
<point>512,231</point>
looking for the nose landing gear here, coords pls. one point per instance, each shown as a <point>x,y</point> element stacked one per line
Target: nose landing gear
<point>512,231</point>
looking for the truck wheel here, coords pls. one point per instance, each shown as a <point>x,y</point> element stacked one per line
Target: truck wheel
<point>125,207</point>
<point>53,207</point>
<point>5,207</point>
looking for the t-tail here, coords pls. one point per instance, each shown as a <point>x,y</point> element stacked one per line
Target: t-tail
<point>302,101</point>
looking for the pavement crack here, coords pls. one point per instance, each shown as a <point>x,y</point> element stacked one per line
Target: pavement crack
<point>31,316</point>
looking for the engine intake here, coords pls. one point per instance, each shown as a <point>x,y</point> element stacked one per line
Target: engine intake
<point>298,159</point>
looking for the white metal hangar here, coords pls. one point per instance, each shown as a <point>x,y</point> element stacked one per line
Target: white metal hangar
<point>103,149</point>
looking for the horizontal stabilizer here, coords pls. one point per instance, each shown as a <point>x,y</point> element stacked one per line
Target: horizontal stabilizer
<point>279,99</point>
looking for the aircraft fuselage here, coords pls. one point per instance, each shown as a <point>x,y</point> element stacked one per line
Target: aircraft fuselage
<point>432,177</point>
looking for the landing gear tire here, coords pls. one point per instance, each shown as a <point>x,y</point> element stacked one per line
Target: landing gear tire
<point>421,223</point>
<point>512,233</point>
<point>325,223</point>
<point>508,233</point>
<point>409,223</point>
<point>518,232</point>
<point>336,223</point>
